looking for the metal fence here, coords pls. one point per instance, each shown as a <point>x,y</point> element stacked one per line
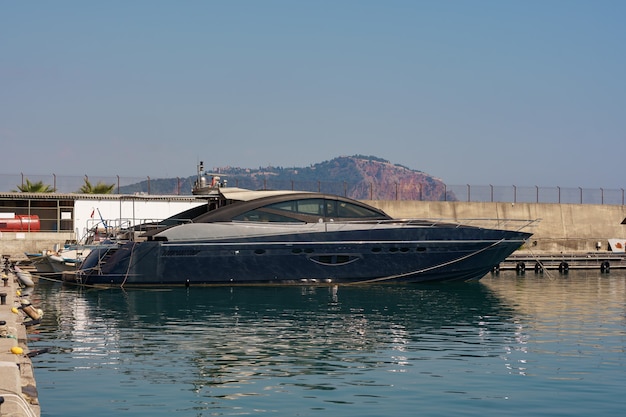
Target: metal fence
<point>371,191</point>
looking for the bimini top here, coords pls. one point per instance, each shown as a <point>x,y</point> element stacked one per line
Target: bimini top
<point>295,207</point>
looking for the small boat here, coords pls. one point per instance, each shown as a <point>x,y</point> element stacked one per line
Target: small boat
<point>53,263</point>
<point>300,238</point>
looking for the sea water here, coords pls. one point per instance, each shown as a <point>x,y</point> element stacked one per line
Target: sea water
<point>509,345</point>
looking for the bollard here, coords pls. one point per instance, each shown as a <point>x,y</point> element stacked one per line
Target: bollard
<point>1,402</point>
<point>6,281</point>
<point>3,298</point>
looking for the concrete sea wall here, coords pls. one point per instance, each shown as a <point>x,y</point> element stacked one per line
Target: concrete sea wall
<point>561,227</point>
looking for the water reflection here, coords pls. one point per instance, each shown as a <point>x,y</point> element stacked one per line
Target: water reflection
<point>508,343</point>
<point>231,343</point>
<point>579,316</point>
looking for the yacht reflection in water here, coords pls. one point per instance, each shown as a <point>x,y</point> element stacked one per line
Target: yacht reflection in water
<point>210,337</point>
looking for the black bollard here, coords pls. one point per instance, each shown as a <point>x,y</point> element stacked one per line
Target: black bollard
<point>3,298</point>
<point>6,281</point>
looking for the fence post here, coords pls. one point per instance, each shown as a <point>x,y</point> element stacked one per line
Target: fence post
<point>537,187</point>
<point>581,194</point>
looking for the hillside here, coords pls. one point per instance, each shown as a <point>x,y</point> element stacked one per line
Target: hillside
<point>360,177</point>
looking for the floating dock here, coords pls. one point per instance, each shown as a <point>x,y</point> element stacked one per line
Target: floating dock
<point>563,262</point>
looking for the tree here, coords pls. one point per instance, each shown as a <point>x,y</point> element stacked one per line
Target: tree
<point>99,188</point>
<point>35,187</point>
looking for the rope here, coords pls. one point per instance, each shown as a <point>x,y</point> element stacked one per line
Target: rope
<point>542,265</point>
<point>391,277</point>
<point>130,261</point>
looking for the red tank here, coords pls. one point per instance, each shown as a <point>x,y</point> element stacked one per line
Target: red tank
<point>20,223</point>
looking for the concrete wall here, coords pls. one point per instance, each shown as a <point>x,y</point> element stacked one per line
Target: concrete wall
<point>562,228</point>
<point>17,244</point>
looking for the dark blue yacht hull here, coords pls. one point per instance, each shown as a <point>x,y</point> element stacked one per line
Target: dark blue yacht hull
<point>394,255</point>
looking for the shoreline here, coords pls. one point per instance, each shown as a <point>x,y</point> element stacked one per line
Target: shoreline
<point>17,380</point>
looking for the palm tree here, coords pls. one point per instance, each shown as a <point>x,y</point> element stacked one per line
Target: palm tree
<point>34,187</point>
<point>99,188</point>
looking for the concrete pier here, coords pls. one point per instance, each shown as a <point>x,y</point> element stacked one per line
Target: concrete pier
<point>17,382</point>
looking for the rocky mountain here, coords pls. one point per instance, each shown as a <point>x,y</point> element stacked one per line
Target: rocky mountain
<point>360,177</point>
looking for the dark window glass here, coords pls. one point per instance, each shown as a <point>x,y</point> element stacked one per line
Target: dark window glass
<point>348,210</point>
<point>261,215</point>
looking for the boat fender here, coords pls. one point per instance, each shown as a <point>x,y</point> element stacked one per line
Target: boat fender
<point>33,313</point>
<point>24,277</point>
<point>605,267</point>
<point>495,269</point>
<point>538,268</point>
<point>564,267</point>
<point>17,350</point>
<point>520,268</point>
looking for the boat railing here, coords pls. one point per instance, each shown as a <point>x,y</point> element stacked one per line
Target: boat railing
<point>491,223</point>
<point>116,229</point>
<point>503,224</point>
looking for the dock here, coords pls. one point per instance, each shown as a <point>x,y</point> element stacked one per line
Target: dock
<point>563,262</point>
<point>18,391</point>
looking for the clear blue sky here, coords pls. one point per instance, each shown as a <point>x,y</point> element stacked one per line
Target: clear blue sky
<point>527,92</point>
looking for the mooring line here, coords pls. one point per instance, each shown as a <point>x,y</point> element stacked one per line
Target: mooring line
<point>391,277</point>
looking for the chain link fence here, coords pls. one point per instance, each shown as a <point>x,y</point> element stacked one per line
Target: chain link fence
<point>371,191</point>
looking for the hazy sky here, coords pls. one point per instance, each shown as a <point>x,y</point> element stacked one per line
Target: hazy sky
<point>474,92</point>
